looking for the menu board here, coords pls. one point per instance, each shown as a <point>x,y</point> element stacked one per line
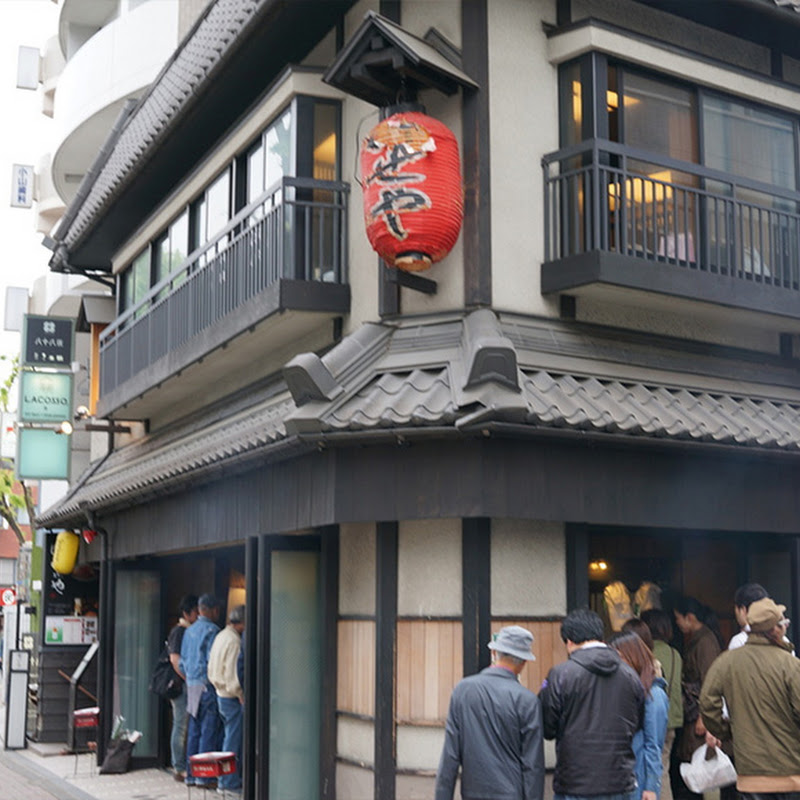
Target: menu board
<point>70,602</point>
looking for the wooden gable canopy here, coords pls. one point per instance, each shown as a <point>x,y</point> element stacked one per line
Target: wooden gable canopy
<point>383,64</point>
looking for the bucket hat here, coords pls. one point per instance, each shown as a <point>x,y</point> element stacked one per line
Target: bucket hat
<point>514,641</point>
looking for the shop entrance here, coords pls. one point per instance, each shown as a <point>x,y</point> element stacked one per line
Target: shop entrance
<point>647,564</point>
<point>290,653</point>
<point>147,593</point>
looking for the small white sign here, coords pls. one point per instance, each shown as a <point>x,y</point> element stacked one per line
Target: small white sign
<point>21,186</point>
<point>28,61</point>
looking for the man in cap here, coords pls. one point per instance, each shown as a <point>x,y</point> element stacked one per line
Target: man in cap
<point>592,704</point>
<point>494,729</point>
<point>760,683</point>
<point>223,675</point>
<point>205,725</point>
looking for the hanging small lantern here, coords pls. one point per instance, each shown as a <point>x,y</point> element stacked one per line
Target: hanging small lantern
<point>413,200</point>
<point>65,552</point>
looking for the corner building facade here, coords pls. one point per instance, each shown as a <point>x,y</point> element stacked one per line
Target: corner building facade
<point>597,387</point>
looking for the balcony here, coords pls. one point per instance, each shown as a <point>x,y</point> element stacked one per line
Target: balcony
<point>626,224</point>
<point>108,61</point>
<point>275,274</point>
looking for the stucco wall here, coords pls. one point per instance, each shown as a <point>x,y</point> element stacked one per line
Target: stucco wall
<point>429,568</point>
<point>528,568</point>
<point>357,568</point>
<point>524,125</point>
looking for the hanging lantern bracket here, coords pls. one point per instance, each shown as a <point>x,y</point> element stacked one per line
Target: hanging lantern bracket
<point>409,280</point>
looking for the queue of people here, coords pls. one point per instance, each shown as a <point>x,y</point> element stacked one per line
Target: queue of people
<point>207,716</point>
<point>617,709</point>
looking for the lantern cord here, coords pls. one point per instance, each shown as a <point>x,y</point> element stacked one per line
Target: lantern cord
<point>363,119</point>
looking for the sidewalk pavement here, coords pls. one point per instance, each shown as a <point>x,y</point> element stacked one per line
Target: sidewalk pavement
<point>41,772</point>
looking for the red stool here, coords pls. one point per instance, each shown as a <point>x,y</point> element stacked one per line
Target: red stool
<point>86,718</point>
<point>211,765</point>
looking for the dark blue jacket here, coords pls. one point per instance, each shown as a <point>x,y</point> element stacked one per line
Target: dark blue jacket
<point>494,733</point>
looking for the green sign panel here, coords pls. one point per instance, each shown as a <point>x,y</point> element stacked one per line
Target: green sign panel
<point>45,396</point>
<point>42,454</point>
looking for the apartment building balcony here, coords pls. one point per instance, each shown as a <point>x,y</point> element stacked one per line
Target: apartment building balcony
<point>625,224</point>
<point>275,274</point>
<point>109,60</point>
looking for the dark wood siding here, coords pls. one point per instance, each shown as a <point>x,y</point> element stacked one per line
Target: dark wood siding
<point>679,487</point>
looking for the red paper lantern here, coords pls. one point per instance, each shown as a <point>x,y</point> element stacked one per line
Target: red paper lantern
<point>413,201</point>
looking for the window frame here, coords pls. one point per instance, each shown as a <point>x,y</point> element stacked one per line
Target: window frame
<point>301,163</point>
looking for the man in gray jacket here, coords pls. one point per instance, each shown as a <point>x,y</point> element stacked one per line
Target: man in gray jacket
<point>494,729</point>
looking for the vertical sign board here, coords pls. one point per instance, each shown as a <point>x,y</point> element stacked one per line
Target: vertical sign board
<point>21,186</point>
<point>42,454</point>
<point>45,396</point>
<point>70,602</point>
<point>16,303</point>
<point>17,699</point>
<point>47,341</point>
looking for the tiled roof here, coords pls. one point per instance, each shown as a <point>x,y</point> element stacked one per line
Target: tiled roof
<point>424,397</point>
<point>161,462</point>
<point>464,375</point>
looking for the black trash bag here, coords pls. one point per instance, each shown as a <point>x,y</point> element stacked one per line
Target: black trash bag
<point>118,757</point>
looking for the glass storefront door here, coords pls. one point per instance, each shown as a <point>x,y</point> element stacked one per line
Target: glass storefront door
<point>295,675</point>
<point>136,644</point>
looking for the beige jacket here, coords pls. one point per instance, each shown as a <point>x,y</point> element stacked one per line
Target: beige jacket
<point>222,663</point>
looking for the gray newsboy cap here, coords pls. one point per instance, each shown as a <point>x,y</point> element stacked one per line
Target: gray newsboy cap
<point>514,641</point>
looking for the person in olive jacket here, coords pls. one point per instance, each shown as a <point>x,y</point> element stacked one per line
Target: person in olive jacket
<point>494,729</point>
<point>592,705</point>
<point>760,684</point>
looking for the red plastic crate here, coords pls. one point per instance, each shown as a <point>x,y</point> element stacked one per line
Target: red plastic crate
<point>86,717</point>
<point>212,765</point>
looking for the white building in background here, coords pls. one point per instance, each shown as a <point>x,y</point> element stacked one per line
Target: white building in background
<point>103,55</point>
<point>88,70</point>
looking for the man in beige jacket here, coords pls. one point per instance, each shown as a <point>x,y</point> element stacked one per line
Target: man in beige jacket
<point>760,683</point>
<point>222,675</point>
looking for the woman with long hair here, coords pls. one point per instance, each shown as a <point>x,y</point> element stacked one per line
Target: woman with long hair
<point>648,741</point>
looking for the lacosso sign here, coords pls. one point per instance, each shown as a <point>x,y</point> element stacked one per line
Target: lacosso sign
<point>45,396</point>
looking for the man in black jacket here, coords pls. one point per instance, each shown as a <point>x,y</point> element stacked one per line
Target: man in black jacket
<point>494,729</point>
<point>592,704</point>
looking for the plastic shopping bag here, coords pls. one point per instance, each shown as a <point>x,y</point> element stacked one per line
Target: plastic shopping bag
<point>709,769</point>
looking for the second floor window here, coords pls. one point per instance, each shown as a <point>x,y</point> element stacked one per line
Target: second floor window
<point>686,175</point>
<point>302,141</point>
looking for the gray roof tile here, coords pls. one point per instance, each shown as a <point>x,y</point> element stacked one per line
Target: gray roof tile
<point>411,376</point>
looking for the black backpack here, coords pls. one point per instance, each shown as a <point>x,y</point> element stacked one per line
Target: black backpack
<point>164,681</point>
